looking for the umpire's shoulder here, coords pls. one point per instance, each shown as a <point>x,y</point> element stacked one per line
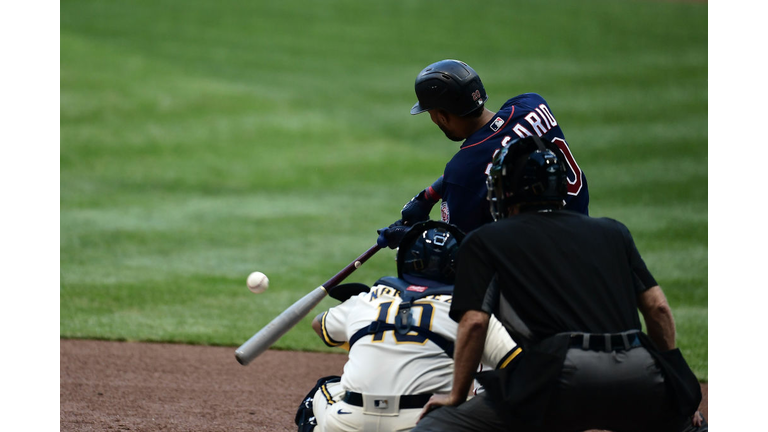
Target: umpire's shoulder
<point>477,233</point>
<point>607,221</point>
<point>611,224</point>
<point>484,232</point>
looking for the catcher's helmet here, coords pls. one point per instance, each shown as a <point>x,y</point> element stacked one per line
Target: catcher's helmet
<point>526,172</point>
<point>450,85</point>
<point>427,253</point>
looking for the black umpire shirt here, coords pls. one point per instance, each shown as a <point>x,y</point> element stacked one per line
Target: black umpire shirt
<point>552,272</point>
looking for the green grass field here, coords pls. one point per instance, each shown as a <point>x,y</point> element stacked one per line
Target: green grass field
<point>201,141</point>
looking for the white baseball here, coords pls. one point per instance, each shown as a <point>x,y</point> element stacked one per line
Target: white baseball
<point>257,282</point>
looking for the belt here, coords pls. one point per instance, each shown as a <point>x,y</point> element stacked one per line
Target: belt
<point>605,342</point>
<point>406,401</point>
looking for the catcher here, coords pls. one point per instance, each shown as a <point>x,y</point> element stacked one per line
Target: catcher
<point>400,340</point>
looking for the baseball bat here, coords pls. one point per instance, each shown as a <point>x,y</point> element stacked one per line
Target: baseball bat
<point>279,326</point>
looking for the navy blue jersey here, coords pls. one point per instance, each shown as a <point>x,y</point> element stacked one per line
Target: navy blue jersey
<point>464,190</point>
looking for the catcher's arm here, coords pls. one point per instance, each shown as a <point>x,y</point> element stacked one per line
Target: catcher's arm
<point>319,327</point>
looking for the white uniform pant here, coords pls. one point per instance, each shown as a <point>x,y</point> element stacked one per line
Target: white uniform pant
<point>335,415</point>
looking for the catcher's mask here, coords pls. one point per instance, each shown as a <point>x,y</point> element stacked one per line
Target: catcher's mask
<point>450,85</point>
<point>526,172</point>
<point>427,254</point>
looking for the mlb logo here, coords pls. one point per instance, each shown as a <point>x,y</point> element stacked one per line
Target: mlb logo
<point>497,124</point>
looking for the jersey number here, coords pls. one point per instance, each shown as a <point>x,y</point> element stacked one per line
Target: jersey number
<point>427,312</point>
<point>574,187</point>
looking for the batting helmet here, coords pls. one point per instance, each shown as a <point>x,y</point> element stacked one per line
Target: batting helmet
<point>427,253</point>
<point>450,85</point>
<point>526,172</point>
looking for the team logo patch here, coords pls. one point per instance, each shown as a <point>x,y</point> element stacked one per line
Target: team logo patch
<point>444,213</point>
<point>416,288</point>
<point>476,95</point>
<point>497,124</point>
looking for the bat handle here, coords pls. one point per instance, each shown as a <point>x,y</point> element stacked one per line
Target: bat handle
<point>346,271</point>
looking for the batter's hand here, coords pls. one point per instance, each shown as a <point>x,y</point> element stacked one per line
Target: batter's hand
<point>418,208</point>
<point>436,401</point>
<point>392,235</point>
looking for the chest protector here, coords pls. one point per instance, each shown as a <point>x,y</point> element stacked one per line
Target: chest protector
<point>404,321</point>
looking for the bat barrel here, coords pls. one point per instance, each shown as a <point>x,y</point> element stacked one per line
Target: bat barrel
<point>279,326</point>
<point>257,344</point>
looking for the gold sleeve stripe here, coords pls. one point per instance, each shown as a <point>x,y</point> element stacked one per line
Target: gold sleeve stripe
<point>509,357</point>
<point>326,338</point>
<point>327,395</point>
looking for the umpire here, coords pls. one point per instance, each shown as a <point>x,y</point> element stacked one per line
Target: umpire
<point>567,287</point>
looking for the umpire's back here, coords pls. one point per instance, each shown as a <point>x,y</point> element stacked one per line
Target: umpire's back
<point>572,272</point>
<point>568,288</point>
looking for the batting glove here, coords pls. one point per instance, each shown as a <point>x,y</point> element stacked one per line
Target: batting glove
<point>392,235</point>
<point>418,208</point>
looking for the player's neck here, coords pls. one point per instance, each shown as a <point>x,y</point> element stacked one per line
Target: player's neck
<point>460,128</point>
<point>481,121</point>
<point>486,117</point>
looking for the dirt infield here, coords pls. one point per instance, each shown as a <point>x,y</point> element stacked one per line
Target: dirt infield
<point>114,386</point>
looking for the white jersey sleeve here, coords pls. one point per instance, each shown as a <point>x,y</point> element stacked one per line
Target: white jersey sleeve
<point>500,348</point>
<point>334,323</point>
